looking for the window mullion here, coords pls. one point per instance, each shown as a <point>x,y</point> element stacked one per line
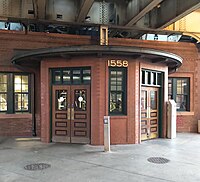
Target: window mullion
<point>10,94</point>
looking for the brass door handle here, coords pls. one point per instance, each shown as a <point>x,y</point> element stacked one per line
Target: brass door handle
<point>72,112</point>
<point>148,112</point>
<point>68,113</point>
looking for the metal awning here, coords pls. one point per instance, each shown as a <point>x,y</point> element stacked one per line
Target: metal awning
<point>173,61</point>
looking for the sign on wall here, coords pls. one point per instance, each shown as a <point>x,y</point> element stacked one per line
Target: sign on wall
<point>117,63</point>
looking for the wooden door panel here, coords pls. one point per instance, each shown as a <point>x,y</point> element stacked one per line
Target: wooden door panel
<point>60,114</point>
<point>149,113</point>
<point>80,124</point>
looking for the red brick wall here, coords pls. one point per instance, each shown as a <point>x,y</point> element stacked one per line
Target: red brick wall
<point>12,125</point>
<point>11,41</point>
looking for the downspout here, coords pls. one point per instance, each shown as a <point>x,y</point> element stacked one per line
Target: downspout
<point>34,133</point>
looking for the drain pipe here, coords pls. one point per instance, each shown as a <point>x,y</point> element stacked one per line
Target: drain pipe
<point>32,96</point>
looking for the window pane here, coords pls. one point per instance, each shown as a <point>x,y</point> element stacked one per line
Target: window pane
<point>57,76</point>
<point>3,78</point>
<point>179,87</point>
<point>86,72</point>
<point>170,86</point>
<point>24,88</point>
<point>113,88</point>
<point>113,73</point>
<point>18,79</point>
<point>18,87</point>
<point>66,76</point>
<point>3,102</point>
<point>76,79</point>
<point>3,87</point>
<point>21,95</point>
<point>24,79</point>
<point>185,86</point>
<point>18,101</point>
<point>117,87</point>
<point>116,102</point>
<point>179,91</point>
<point>86,79</point>
<point>77,72</point>
<point>18,83</point>
<point>25,102</point>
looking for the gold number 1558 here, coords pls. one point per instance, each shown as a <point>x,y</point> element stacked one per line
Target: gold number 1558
<point>117,63</point>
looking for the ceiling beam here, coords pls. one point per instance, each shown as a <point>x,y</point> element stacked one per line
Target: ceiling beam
<point>171,11</point>
<point>84,10</point>
<point>144,11</point>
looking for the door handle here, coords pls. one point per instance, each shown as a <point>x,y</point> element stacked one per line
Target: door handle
<point>72,112</point>
<point>148,112</point>
<point>68,112</point>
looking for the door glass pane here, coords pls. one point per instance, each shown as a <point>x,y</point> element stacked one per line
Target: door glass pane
<point>80,100</point>
<point>144,99</point>
<point>153,97</point>
<point>61,100</point>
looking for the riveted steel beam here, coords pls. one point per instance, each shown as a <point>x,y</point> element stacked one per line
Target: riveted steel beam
<point>40,8</point>
<point>143,12</point>
<point>171,11</point>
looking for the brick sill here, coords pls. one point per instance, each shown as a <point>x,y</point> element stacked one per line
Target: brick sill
<point>15,116</point>
<point>185,113</point>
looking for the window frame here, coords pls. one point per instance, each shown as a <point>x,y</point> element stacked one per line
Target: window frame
<point>11,93</point>
<point>124,91</point>
<point>174,94</point>
<point>72,74</point>
<point>5,93</point>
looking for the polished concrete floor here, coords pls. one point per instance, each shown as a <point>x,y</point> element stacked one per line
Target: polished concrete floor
<point>85,163</point>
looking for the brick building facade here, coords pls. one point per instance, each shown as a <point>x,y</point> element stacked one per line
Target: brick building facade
<point>126,127</point>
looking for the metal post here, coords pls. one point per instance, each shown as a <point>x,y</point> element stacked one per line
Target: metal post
<point>171,131</point>
<point>106,133</point>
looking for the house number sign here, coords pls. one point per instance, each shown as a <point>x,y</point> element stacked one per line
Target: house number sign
<point>117,63</point>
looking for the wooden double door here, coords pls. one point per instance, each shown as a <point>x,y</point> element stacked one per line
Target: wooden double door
<point>149,113</point>
<point>71,113</point>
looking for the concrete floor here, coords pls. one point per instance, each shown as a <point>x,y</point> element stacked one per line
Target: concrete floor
<point>85,163</point>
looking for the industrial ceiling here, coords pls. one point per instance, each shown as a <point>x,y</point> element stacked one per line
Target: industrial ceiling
<point>125,18</point>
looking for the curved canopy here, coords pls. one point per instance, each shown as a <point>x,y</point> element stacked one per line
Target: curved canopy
<point>173,61</point>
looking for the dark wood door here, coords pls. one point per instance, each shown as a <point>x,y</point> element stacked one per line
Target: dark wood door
<point>61,114</point>
<point>80,116</point>
<point>149,113</point>
<point>71,114</point>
